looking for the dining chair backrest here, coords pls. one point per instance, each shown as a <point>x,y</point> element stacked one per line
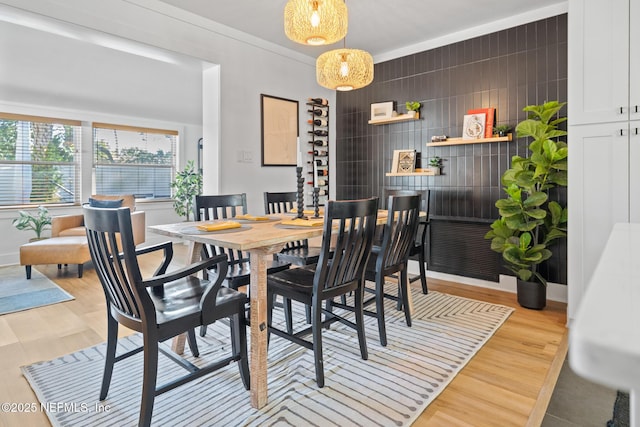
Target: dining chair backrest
<point>284,202</point>
<point>109,233</point>
<point>424,208</point>
<point>349,227</point>
<point>220,206</point>
<point>223,206</point>
<point>399,232</point>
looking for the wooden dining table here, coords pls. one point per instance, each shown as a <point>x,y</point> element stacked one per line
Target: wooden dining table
<point>261,239</point>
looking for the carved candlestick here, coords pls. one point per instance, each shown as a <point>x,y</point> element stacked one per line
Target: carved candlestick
<point>300,197</point>
<point>316,205</point>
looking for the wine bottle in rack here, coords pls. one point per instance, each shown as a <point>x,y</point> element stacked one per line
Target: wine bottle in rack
<point>322,182</point>
<point>320,193</point>
<point>317,122</point>
<point>319,132</point>
<point>319,142</point>
<point>319,101</point>
<point>318,153</point>
<point>320,172</point>
<point>318,162</point>
<point>318,112</point>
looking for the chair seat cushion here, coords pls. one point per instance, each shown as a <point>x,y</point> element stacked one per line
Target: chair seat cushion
<point>295,283</point>
<point>300,256</point>
<point>182,298</point>
<point>239,274</point>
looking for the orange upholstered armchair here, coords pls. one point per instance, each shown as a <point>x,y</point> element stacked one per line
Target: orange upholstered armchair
<point>73,225</point>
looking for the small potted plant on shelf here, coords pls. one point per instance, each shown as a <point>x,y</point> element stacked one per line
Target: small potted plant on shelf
<point>33,221</point>
<point>501,130</point>
<point>413,108</point>
<point>187,185</point>
<point>529,222</point>
<point>435,163</point>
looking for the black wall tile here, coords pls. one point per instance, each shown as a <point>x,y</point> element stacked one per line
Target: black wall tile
<point>507,70</point>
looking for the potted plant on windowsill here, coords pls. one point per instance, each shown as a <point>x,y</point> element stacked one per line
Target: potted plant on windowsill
<point>33,221</point>
<point>413,109</point>
<point>187,185</point>
<point>529,222</point>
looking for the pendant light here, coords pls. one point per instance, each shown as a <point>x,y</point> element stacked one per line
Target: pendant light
<point>315,22</point>
<point>344,69</point>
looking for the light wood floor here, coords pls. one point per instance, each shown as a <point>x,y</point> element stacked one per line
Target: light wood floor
<point>508,383</point>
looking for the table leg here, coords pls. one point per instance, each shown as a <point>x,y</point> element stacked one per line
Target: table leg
<point>258,295</point>
<point>193,255</point>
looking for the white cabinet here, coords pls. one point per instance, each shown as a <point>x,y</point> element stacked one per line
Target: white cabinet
<point>604,51</point>
<point>604,131</point>
<point>598,198</point>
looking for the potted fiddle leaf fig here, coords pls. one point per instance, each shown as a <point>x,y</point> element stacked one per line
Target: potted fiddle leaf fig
<point>186,185</point>
<point>37,221</point>
<point>529,222</point>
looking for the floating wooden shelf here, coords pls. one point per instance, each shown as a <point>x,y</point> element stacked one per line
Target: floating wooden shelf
<point>419,172</point>
<point>398,118</point>
<point>459,141</point>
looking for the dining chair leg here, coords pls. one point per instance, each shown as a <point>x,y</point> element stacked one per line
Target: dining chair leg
<point>270,298</point>
<point>193,344</point>
<point>316,330</point>
<point>380,309</point>
<point>423,273</point>
<point>286,302</point>
<point>149,377</point>
<point>404,280</point>
<point>239,347</point>
<point>110,356</point>
<point>203,330</point>
<point>307,310</point>
<point>359,314</point>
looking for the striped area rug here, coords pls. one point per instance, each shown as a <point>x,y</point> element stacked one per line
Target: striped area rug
<point>392,388</point>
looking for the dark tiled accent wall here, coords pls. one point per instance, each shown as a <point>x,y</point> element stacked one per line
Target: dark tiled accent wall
<point>507,70</point>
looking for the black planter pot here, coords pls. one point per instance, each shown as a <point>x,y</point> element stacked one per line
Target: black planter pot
<point>532,295</point>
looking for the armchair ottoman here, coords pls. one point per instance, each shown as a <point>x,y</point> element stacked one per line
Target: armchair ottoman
<point>57,250</point>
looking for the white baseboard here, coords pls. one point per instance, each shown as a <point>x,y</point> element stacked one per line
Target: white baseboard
<point>555,291</point>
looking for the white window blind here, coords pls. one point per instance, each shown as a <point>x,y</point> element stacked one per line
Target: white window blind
<point>133,160</point>
<point>39,160</point>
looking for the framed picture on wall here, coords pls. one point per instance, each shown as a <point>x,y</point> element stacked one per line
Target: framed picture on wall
<point>473,127</point>
<point>403,161</point>
<point>382,110</point>
<point>279,124</point>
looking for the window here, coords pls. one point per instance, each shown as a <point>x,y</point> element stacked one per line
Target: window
<point>39,160</point>
<point>131,160</point>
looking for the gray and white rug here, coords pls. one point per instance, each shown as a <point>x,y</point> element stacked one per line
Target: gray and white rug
<point>17,293</point>
<point>392,388</point>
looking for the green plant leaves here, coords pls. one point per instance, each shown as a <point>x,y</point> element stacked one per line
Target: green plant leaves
<point>187,184</point>
<point>36,222</point>
<point>528,220</point>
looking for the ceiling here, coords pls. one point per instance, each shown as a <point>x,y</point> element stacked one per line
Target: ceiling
<point>377,26</point>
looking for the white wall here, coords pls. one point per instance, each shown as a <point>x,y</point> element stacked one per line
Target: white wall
<point>50,65</point>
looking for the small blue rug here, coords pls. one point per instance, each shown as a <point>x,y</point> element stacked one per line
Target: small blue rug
<point>17,293</point>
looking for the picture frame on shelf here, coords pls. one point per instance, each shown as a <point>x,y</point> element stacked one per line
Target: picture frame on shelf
<point>382,110</point>
<point>279,126</point>
<point>404,161</point>
<point>473,126</point>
